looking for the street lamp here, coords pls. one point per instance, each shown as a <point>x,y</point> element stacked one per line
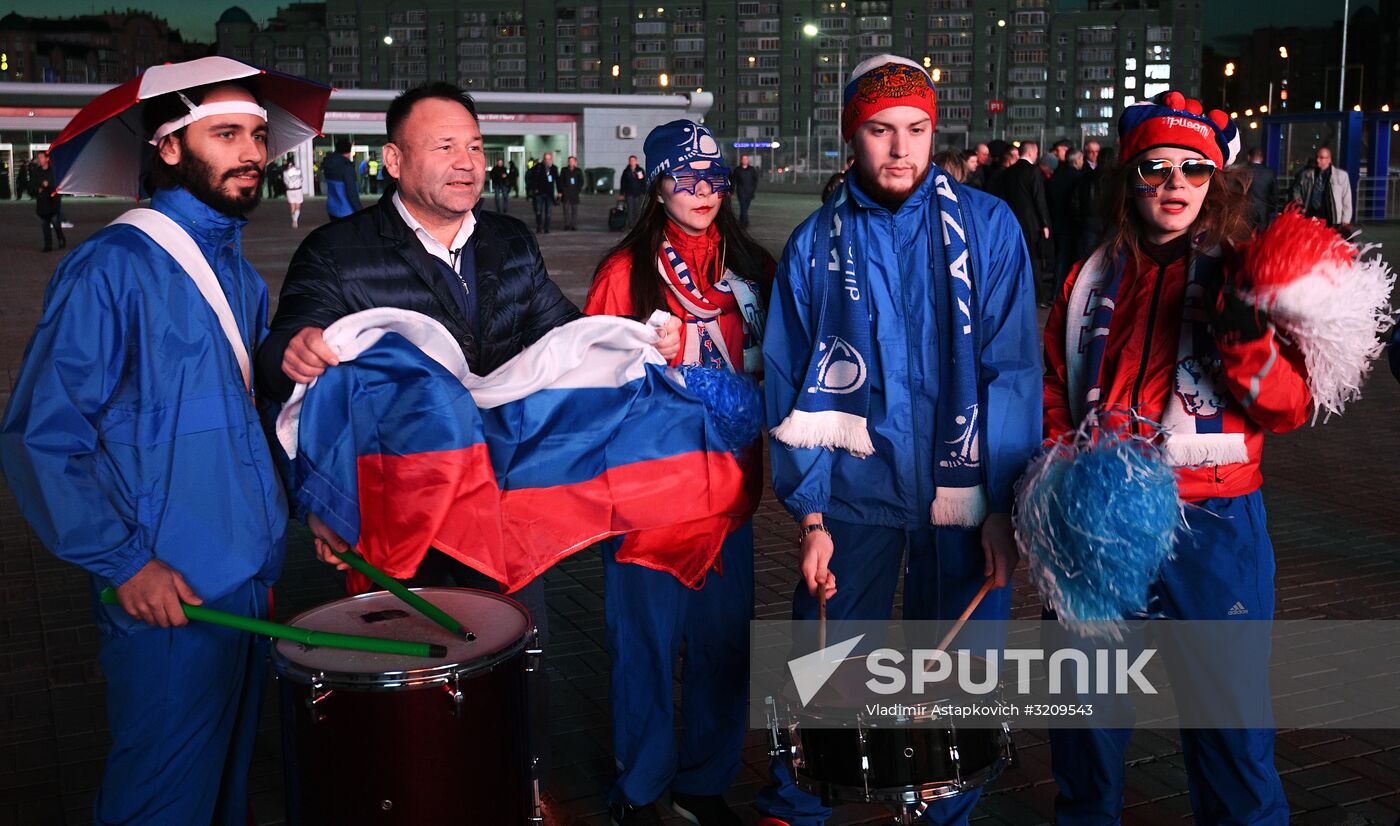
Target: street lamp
<point>388,40</point>
<point>1287,70</point>
<point>1229,73</point>
<point>665,80</point>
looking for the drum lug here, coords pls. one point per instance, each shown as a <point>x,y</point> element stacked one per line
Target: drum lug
<point>864,756</point>
<point>533,652</point>
<point>776,747</point>
<point>454,691</point>
<point>953,756</point>
<point>536,801</point>
<point>319,693</point>
<point>1013,758</point>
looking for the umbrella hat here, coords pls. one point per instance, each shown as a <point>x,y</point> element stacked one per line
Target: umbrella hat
<point>104,149</point>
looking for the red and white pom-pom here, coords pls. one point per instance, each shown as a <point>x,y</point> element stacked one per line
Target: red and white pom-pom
<point>1319,291</point>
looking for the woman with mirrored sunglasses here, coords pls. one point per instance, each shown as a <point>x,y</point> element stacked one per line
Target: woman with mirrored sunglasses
<point>1143,328</point>
<point>686,256</point>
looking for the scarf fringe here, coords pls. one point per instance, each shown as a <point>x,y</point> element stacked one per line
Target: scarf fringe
<point>826,428</point>
<point>959,507</point>
<point>1196,449</point>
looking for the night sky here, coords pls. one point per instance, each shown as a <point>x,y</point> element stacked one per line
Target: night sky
<point>196,20</point>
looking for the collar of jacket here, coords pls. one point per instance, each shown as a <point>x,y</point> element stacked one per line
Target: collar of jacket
<point>393,228</point>
<point>917,200</point>
<point>206,225</point>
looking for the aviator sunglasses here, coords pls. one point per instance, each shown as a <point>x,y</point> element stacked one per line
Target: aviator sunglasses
<point>715,175</point>
<point>1157,171</point>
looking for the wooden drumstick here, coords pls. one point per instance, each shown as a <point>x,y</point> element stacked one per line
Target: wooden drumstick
<point>967,612</point>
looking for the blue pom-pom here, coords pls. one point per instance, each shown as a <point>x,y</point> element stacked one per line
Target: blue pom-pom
<point>731,401</point>
<point>1096,518</point>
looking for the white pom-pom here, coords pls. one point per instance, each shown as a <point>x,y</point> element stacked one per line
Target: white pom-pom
<point>1335,315</point>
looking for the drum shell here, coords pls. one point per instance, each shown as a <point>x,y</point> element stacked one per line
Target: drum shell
<point>449,747</point>
<point>841,754</point>
<point>899,758</point>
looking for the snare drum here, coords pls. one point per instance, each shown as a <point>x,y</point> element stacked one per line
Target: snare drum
<point>384,739</point>
<point>843,753</point>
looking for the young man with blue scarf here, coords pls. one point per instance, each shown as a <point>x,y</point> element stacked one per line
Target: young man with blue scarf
<point>903,381</point>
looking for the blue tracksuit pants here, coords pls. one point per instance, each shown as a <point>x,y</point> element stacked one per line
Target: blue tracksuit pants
<point>942,573</point>
<point>650,614</point>
<point>1223,570</point>
<point>183,707</point>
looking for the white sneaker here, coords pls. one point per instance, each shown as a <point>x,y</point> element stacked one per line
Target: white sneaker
<point>67,225</point>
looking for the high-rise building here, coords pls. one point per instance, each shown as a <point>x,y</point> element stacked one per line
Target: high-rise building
<point>1013,68</point>
<point>113,47</point>
<point>293,41</point>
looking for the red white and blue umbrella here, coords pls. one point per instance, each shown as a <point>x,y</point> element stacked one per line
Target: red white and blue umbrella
<point>104,149</point>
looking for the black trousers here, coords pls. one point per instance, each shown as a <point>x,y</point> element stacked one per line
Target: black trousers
<point>53,224</point>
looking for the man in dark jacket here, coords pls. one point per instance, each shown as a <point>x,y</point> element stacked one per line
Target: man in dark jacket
<point>500,185</point>
<point>979,164</point>
<point>342,193</point>
<point>540,185</point>
<point>46,202</point>
<point>1087,193</point>
<point>632,183</point>
<point>1263,190</point>
<point>430,248</point>
<point>1022,187</point>
<point>745,182</point>
<point>570,185</point>
<point>1064,224</point>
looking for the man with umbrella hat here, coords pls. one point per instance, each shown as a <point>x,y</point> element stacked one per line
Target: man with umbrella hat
<point>132,441</point>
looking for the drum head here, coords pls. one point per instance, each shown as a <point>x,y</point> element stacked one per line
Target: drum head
<point>501,625</point>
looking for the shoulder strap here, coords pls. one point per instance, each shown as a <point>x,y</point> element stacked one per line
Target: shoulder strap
<point>172,238</point>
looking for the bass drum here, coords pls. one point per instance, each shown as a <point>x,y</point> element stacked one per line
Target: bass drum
<point>384,739</point>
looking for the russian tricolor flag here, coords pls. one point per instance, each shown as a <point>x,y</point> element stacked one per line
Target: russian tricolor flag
<point>584,435</point>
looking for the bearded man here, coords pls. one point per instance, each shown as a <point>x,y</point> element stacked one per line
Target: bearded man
<point>903,368</point>
<point>134,448</point>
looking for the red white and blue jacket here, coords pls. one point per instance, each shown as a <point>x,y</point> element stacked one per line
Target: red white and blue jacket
<point>1140,363</point>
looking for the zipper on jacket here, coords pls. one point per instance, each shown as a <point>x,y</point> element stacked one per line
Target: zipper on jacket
<point>1147,344</point>
<point>910,355</point>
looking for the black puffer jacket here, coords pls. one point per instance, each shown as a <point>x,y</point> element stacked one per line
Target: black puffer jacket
<point>372,259</point>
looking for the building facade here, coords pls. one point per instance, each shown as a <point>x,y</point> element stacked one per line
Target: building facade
<point>1015,68</point>
<point>295,40</point>
<point>97,48</point>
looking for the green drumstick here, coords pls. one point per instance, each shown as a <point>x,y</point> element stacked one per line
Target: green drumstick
<point>305,636</point>
<point>398,589</point>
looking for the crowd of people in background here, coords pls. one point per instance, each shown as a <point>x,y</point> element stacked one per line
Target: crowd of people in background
<point>1054,196</point>
<point>1059,210</point>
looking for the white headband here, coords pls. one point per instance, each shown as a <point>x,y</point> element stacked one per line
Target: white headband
<point>196,113</point>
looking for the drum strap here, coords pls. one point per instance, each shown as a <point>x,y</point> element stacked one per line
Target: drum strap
<point>172,238</point>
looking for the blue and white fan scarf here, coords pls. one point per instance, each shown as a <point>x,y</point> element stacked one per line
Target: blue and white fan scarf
<point>833,404</point>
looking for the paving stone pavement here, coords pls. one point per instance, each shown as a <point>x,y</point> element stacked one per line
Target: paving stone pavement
<point>1332,502</point>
